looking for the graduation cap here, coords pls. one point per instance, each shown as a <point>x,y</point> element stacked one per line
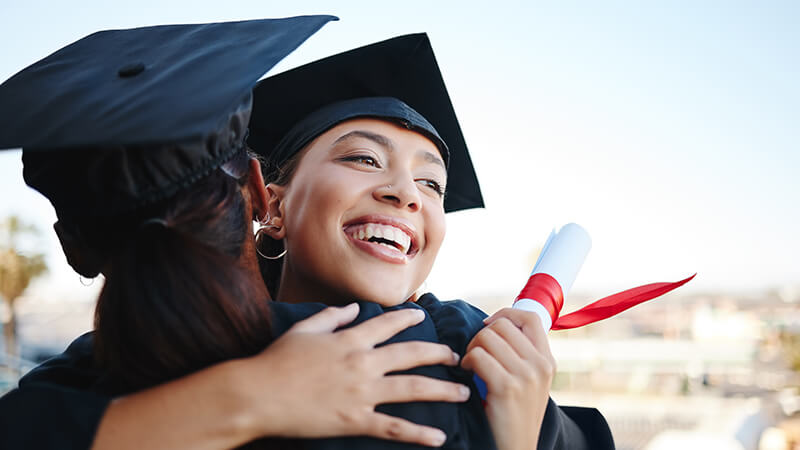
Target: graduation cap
<point>397,79</point>
<point>91,116</point>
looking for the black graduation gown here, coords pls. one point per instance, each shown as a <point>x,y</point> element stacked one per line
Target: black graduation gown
<point>59,404</point>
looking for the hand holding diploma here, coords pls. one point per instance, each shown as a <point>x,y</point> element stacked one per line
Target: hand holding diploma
<point>511,356</point>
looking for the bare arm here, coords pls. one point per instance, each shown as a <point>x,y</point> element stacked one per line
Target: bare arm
<point>200,411</point>
<point>311,382</point>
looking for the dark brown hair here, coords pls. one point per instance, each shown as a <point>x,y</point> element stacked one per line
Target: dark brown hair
<point>175,298</point>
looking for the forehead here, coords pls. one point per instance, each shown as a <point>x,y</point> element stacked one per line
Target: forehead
<point>397,134</point>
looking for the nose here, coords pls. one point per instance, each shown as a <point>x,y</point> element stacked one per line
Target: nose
<point>401,194</point>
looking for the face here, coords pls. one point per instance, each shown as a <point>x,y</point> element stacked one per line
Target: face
<point>363,216</point>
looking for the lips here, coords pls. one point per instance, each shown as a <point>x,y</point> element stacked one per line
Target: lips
<point>388,236</point>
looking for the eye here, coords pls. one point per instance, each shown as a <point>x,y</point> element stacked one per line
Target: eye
<point>362,159</point>
<point>434,185</point>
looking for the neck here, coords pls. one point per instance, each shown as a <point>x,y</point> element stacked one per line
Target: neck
<point>297,289</point>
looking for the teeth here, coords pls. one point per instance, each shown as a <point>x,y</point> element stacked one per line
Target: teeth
<point>387,232</point>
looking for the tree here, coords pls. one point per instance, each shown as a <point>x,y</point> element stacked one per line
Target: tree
<point>17,270</point>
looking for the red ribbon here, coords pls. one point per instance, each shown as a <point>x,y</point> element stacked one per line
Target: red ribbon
<point>545,289</point>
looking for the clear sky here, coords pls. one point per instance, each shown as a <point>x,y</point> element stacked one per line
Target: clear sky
<point>669,130</point>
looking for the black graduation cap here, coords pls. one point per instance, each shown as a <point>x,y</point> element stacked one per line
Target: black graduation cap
<point>292,108</point>
<point>129,92</point>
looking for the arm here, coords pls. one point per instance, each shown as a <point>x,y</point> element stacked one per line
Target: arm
<point>311,382</point>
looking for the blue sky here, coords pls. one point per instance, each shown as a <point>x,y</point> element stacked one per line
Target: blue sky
<point>668,129</point>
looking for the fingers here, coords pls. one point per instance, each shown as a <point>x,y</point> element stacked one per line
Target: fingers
<point>419,388</point>
<point>380,328</point>
<point>406,355</point>
<point>530,325</point>
<point>488,368</point>
<point>327,320</point>
<point>515,338</point>
<point>499,349</point>
<point>384,426</point>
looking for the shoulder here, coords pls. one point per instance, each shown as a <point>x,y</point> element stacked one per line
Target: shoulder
<point>434,306</point>
<point>284,315</point>
<point>54,406</point>
<point>456,321</point>
<point>73,368</point>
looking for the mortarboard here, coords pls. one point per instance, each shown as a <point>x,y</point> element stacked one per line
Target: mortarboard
<point>396,79</point>
<point>111,97</point>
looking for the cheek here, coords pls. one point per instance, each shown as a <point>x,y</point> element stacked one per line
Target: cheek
<point>314,209</point>
<point>434,235</point>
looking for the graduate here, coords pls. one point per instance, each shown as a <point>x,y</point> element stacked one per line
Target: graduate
<point>153,188</point>
<point>350,218</point>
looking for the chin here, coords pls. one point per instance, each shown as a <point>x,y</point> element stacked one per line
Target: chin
<point>384,294</point>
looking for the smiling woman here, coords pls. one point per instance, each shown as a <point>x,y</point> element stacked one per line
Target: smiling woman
<point>359,180</point>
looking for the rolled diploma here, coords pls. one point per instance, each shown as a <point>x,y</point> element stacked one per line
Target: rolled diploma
<point>561,258</point>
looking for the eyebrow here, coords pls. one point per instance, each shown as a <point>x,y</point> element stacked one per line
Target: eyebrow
<point>377,138</point>
<point>388,144</point>
<point>431,158</point>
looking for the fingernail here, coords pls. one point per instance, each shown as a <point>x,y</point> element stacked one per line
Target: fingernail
<point>456,357</point>
<point>464,391</point>
<point>437,438</point>
<point>419,314</point>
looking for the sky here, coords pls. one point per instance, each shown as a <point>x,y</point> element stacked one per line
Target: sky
<point>669,130</point>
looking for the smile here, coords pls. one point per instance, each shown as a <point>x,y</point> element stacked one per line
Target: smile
<point>386,238</point>
<point>387,235</point>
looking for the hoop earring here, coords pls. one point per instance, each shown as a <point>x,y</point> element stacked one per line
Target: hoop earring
<point>265,225</point>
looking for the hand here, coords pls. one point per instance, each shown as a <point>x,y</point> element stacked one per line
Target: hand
<point>316,382</point>
<point>512,355</point>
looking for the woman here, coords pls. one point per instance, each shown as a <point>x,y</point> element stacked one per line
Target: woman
<point>180,177</point>
<point>361,169</point>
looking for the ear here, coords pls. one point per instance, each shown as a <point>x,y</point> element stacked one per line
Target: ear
<point>275,208</point>
<point>258,192</point>
<point>83,259</point>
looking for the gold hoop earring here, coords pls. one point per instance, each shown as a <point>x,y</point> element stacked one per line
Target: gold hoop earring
<point>265,225</point>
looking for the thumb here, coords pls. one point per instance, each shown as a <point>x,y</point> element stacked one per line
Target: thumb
<point>327,320</point>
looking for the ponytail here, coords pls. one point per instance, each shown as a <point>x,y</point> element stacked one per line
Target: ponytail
<point>175,299</point>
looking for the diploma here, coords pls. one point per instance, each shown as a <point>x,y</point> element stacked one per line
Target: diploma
<point>554,273</point>
<point>552,277</point>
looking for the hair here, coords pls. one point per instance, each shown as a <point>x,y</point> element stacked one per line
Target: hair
<point>176,298</point>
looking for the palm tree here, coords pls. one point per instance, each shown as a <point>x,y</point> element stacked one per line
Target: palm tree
<point>17,269</point>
